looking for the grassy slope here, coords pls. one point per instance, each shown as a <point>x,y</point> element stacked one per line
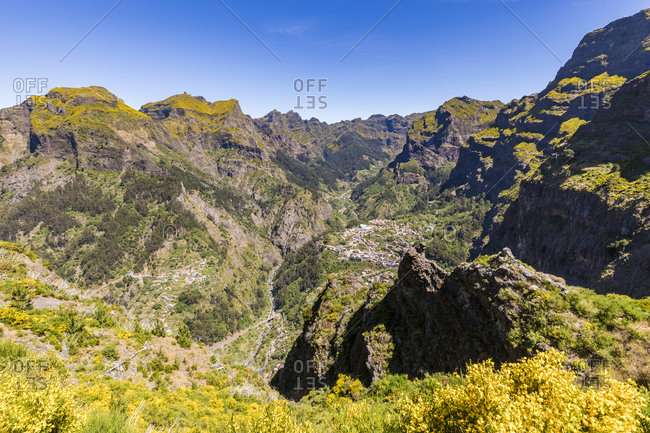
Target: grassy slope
<point>166,385</point>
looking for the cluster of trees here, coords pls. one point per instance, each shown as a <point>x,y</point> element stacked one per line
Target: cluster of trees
<point>219,319</point>
<point>132,228</point>
<point>306,174</point>
<point>299,274</point>
<point>349,154</point>
<point>354,153</point>
<point>53,207</point>
<point>459,222</point>
<point>212,318</point>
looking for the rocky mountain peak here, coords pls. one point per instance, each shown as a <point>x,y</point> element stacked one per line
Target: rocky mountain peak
<point>178,105</point>
<point>620,48</point>
<point>415,271</point>
<point>435,138</point>
<point>83,96</point>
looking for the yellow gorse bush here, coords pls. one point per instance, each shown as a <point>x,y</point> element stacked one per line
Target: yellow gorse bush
<point>275,417</point>
<point>536,395</point>
<point>45,406</point>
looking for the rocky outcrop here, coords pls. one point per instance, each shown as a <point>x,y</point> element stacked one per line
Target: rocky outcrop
<point>90,128</point>
<point>14,133</point>
<point>436,138</point>
<point>620,48</point>
<point>529,130</point>
<point>586,215</point>
<point>429,321</point>
<point>197,127</point>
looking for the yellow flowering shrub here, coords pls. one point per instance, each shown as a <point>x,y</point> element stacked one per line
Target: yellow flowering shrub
<point>347,387</point>
<point>275,417</point>
<point>15,318</point>
<point>357,417</point>
<point>45,406</point>
<point>536,395</point>
<point>124,334</point>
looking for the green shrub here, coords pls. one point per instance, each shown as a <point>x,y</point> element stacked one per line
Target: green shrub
<point>158,329</point>
<point>103,317</point>
<point>10,351</point>
<point>391,385</point>
<point>110,353</point>
<point>184,338</point>
<point>114,422</point>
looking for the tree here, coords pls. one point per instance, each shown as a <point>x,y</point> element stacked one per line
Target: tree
<point>159,329</point>
<point>183,337</point>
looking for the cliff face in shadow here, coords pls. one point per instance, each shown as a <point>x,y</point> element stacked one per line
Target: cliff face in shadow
<point>584,215</point>
<point>429,321</point>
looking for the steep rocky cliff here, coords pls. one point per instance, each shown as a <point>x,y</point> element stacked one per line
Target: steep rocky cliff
<point>90,128</point>
<point>194,124</point>
<point>433,321</point>
<point>585,215</point>
<point>435,139</point>
<point>528,130</point>
<point>620,48</point>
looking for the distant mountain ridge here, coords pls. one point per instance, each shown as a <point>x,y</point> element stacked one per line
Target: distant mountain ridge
<point>436,138</point>
<point>119,200</point>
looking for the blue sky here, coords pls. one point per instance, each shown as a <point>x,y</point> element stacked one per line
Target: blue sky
<point>421,54</point>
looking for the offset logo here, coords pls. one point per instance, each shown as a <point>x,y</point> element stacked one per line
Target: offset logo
<point>315,378</point>
<point>591,97</point>
<point>30,89</point>
<point>30,373</point>
<point>310,93</point>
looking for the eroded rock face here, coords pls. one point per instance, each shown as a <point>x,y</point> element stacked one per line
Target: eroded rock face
<point>591,229</point>
<point>429,321</point>
<point>436,138</point>
<point>528,130</point>
<point>90,128</point>
<point>620,48</point>
<point>14,133</point>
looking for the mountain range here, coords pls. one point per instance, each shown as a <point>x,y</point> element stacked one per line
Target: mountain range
<point>518,226</point>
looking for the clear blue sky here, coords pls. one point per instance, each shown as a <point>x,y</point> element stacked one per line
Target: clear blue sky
<point>420,55</point>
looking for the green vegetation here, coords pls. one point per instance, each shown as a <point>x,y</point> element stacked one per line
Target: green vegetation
<point>107,423</point>
<point>571,126</point>
<point>515,398</point>
<point>195,104</point>
<point>124,226</point>
<point>609,328</point>
<point>455,221</point>
<point>308,174</point>
<point>92,113</point>
<point>300,274</point>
